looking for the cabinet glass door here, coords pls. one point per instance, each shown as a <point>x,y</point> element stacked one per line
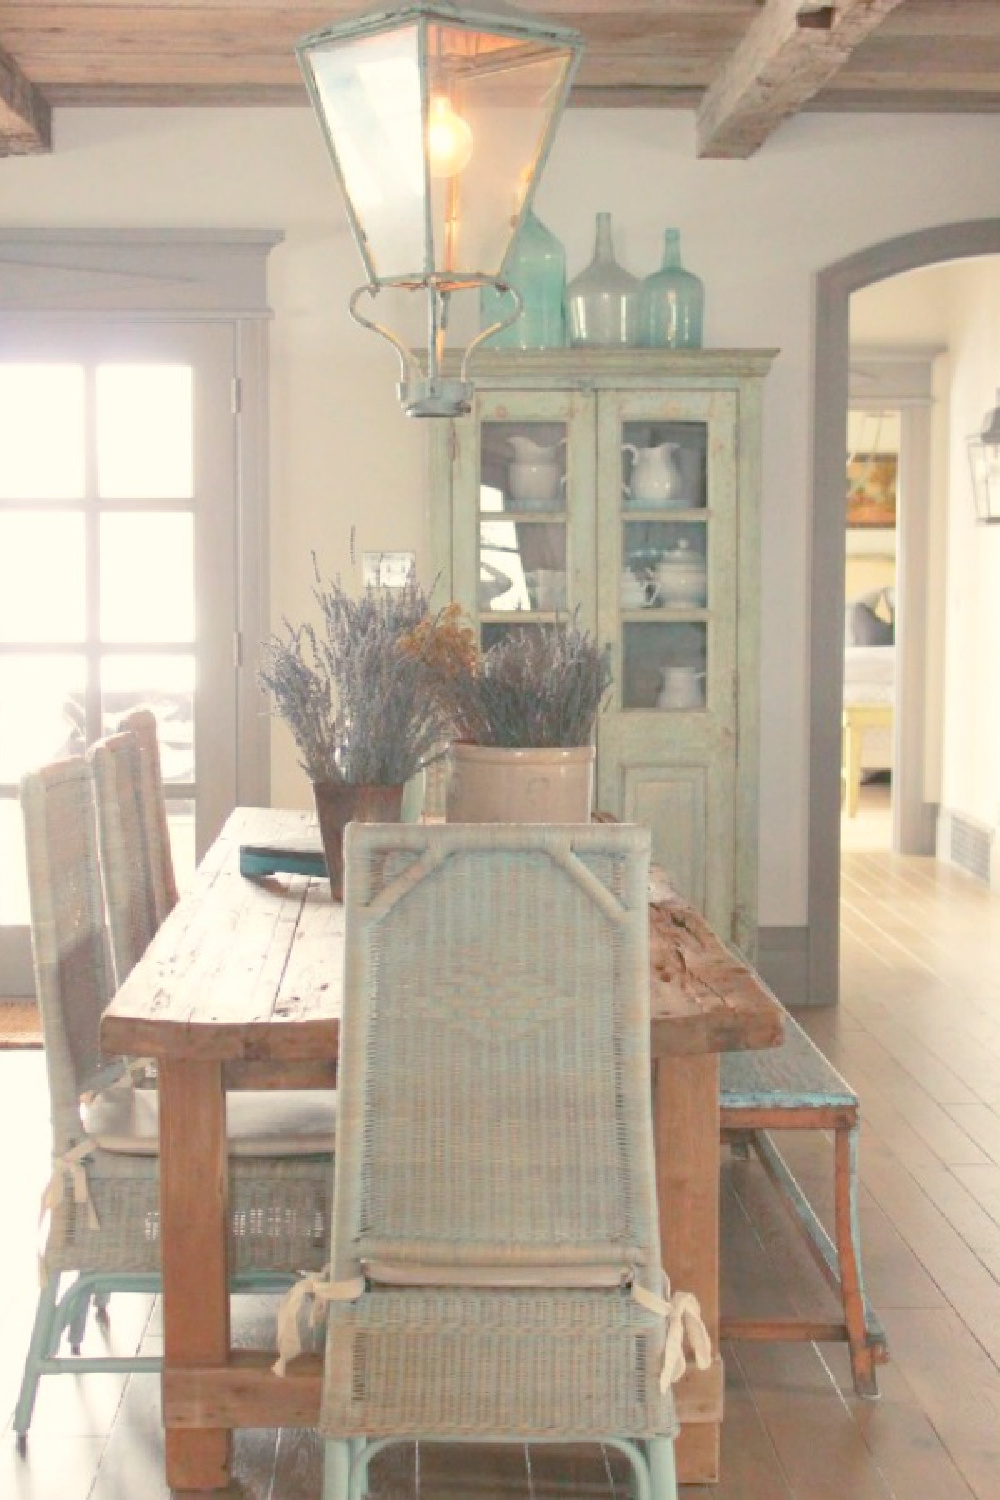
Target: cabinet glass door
<point>663,576</point>
<point>667,486</point>
<point>529,560</point>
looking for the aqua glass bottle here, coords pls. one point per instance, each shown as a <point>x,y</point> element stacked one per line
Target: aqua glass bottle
<point>671,302</point>
<point>602,303</point>
<point>537,268</point>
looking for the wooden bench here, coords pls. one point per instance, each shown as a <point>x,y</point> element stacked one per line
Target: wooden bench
<point>794,1087</point>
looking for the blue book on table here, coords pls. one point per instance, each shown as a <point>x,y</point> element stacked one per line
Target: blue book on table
<point>303,856</point>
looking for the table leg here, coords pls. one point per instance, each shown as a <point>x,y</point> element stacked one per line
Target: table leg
<point>686,1126</point>
<point>193,1230</point>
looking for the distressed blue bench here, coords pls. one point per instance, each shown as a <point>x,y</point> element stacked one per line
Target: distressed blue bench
<point>795,1087</point>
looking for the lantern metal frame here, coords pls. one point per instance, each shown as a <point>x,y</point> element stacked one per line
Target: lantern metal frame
<point>984,465</point>
<point>424,391</point>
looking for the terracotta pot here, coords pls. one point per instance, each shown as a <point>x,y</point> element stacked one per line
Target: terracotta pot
<point>339,803</point>
<point>493,784</point>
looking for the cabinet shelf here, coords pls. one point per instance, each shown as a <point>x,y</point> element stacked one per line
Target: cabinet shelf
<point>655,614</point>
<point>696,513</point>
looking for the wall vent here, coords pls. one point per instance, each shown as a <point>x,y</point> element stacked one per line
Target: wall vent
<point>970,847</point>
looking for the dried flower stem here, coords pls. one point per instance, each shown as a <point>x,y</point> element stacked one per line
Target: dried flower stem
<point>540,687</point>
<point>359,694</point>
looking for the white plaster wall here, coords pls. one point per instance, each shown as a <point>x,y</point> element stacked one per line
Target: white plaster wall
<point>971,783</point>
<point>756,231</point>
<point>914,308</point>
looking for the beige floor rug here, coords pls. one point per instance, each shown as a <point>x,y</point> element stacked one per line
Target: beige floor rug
<point>19,1024</point>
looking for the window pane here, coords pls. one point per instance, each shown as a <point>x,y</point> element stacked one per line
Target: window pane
<point>664,565</point>
<point>522,565</point>
<point>522,466</point>
<point>42,577</point>
<point>664,666</point>
<point>164,684</point>
<point>13,878</point>
<point>41,432</point>
<point>144,432</point>
<point>664,465</point>
<point>41,711</point>
<point>147,578</point>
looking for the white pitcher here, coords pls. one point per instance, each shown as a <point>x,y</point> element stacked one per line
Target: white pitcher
<point>682,688</point>
<point>656,478</point>
<point>527,451</point>
<point>534,475</point>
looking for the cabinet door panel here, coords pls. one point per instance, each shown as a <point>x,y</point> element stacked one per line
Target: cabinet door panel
<point>667,600</point>
<point>680,783</point>
<point>673,804</point>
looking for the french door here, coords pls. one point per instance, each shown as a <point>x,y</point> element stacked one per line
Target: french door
<point>118,567</point>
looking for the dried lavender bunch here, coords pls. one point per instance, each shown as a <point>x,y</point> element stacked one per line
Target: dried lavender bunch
<point>358,693</point>
<point>537,688</point>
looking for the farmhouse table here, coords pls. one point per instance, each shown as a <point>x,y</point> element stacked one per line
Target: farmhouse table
<point>241,987</point>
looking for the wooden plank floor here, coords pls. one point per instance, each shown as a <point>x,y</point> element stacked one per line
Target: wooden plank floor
<point>918,1034</point>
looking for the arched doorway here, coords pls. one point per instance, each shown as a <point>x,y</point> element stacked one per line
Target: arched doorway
<point>833,291</point>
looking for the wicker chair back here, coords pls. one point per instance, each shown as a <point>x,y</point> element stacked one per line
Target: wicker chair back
<point>495,1225</point>
<point>69,941</point>
<point>142,723</point>
<point>124,846</point>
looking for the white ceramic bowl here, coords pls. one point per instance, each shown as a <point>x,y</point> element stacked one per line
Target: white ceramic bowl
<point>538,483</point>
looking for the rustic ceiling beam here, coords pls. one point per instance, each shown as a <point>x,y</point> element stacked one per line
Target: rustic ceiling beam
<point>25,116</point>
<point>790,50</point>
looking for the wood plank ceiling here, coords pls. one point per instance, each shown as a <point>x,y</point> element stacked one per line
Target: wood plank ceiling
<point>743,65</point>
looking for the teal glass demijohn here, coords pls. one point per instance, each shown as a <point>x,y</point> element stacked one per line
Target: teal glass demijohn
<point>671,302</point>
<point>537,269</point>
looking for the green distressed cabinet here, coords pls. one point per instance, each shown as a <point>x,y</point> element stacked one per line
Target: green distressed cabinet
<point>625,485</point>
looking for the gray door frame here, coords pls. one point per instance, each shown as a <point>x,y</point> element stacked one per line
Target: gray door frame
<point>900,378</point>
<point>834,286</point>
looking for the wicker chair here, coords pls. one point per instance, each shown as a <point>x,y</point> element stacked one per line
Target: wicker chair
<point>126,862</point>
<point>142,723</point>
<point>103,1197</point>
<point>496,1263</point>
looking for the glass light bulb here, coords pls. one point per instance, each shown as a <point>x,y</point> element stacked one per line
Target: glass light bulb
<point>449,139</point>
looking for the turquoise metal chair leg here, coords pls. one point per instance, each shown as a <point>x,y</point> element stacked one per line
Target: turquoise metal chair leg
<point>39,1348</point>
<point>359,1468</point>
<point>67,1315</point>
<point>71,1313</point>
<point>662,1469</point>
<point>635,1452</point>
<point>76,1324</point>
<point>336,1469</point>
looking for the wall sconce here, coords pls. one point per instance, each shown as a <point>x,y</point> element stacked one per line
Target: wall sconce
<point>439,119</point>
<point>984,461</point>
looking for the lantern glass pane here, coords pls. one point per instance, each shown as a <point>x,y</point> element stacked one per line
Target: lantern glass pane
<point>370,102</point>
<point>984,460</point>
<point>506,94</point>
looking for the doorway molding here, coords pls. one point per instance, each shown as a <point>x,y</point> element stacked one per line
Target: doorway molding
<point>63,282</point>
<point>834,287</point>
